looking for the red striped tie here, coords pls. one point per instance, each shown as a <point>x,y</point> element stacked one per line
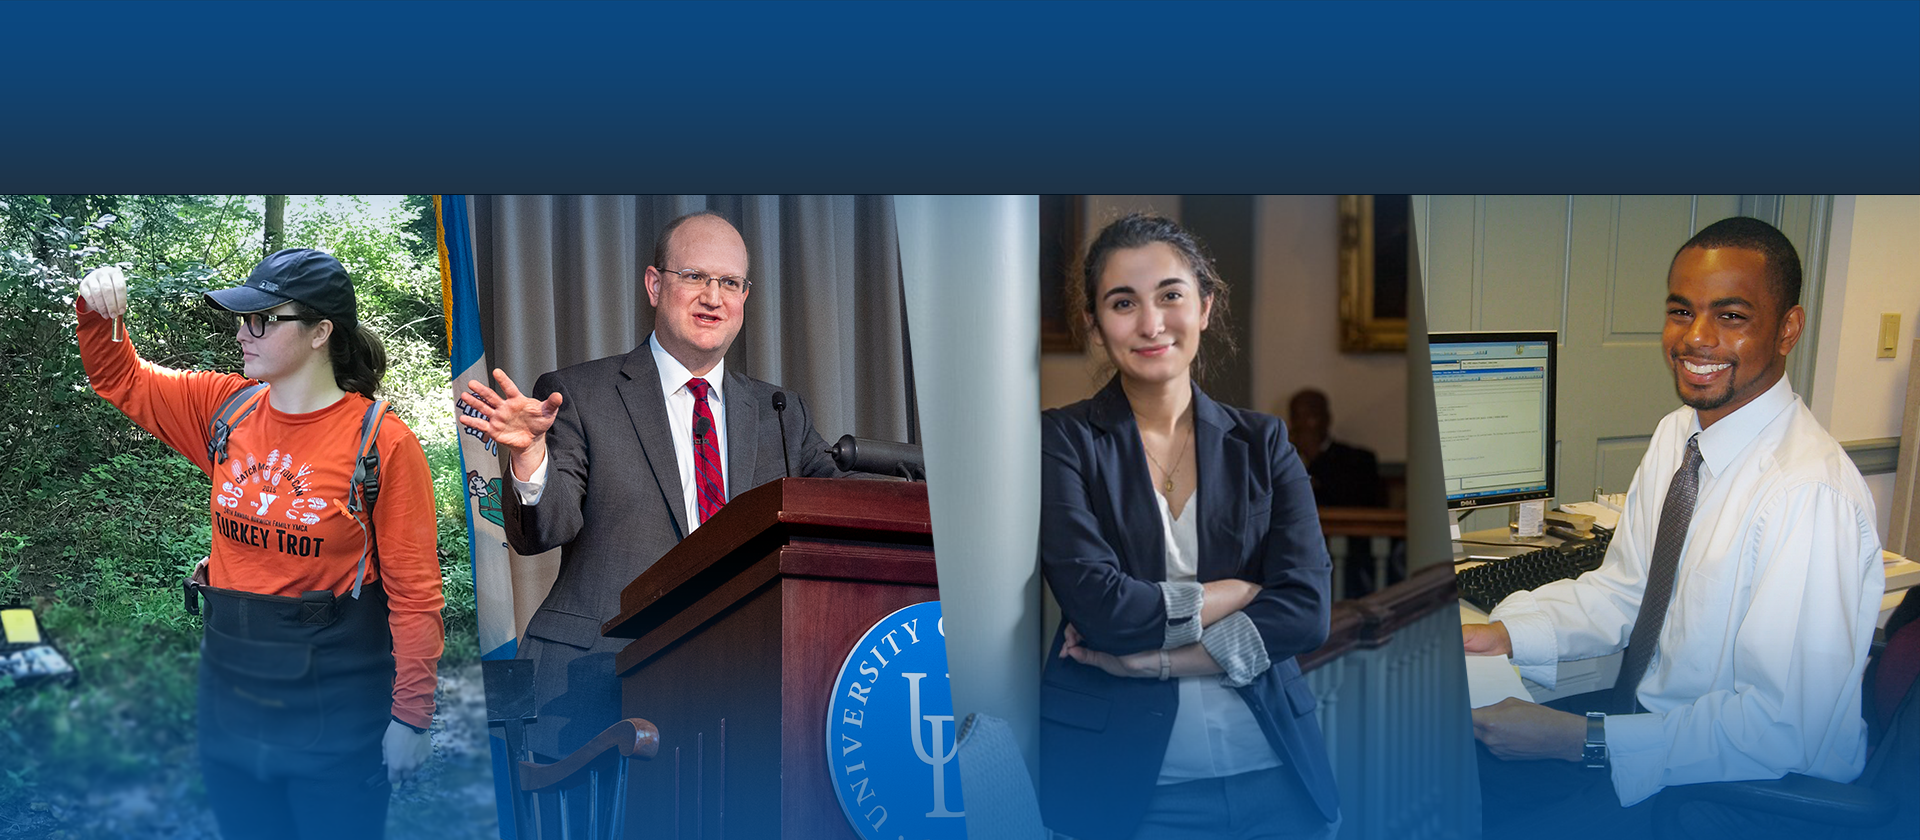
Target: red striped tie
<point>707,476</point>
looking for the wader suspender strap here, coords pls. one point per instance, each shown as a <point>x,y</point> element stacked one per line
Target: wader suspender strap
<point>231,412</point>
<point>364,489</point>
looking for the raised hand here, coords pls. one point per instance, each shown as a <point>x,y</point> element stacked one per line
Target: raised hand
<point>105,291</point>
<point>512,419</point>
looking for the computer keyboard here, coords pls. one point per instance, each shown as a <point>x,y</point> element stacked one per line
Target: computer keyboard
<point>1487,584</point>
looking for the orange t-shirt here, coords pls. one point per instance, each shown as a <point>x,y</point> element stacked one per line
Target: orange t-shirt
<point>276,529</point>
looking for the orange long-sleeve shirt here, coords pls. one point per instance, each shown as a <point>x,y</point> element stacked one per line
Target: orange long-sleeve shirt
<point>276,528</point>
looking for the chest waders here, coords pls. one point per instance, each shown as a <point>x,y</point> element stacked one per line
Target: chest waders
<point>296,686</point>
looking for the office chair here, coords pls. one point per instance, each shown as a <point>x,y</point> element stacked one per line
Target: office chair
<point>1883,802</point>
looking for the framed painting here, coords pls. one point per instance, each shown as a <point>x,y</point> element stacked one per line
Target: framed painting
<point>1063,227</point>
<point>1375,232</point>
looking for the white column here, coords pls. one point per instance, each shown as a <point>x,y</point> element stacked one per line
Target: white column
<point>971,265</point>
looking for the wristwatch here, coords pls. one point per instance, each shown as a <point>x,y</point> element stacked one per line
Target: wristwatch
<point>1594,752</point>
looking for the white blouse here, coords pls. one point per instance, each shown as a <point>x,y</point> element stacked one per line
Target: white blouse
<point>1214,733</point>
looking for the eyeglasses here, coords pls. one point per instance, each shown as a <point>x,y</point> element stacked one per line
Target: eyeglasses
<point>732,285</point>
<point>256,322</point>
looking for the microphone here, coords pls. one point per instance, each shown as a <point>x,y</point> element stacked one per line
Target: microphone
<point>879,456</point>
<point>780,417</point>
<point>701,426</point>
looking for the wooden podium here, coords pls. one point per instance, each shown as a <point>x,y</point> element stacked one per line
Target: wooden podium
<point>739,634</point>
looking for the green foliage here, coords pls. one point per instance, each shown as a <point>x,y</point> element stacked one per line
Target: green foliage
<point>11,546</point>
<point>396,274</point>
<point>53,424</point>
<point>456,562</point>
<point>131,713</point>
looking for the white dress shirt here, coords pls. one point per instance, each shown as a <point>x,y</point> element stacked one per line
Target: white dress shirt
<point>1757,669</point>
<point>1214,733</point>
<point>673,386</point>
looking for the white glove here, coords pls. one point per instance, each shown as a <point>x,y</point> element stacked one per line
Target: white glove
<point>404,750</point>
<point>105,291</point>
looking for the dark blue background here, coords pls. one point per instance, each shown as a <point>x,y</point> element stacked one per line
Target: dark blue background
<point>1021,97</point>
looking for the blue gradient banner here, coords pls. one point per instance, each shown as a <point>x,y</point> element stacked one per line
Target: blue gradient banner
<point>1144,97</point>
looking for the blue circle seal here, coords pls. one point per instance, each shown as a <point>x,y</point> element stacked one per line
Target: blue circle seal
<point>890,729</point>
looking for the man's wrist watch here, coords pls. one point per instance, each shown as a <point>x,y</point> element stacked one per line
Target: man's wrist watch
<point>1594,752</point>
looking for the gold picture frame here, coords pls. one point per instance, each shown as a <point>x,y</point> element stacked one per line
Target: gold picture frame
<point>1374,236</point>
<point>1063,230</point>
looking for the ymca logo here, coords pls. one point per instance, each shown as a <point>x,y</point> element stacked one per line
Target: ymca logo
<point>890,733</point>
<point>268,482</point>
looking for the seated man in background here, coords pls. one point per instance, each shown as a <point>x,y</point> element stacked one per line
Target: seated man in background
<point>1343,476</point>
<point>1743,581</point>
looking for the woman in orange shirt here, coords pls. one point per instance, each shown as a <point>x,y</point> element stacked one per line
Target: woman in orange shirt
<point>322,611</point>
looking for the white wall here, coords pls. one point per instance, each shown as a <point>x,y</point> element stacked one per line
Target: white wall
<point>1873,266</point>
<point>1295,338</point>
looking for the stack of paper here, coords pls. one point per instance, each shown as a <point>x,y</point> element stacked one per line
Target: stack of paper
<point>1603,516</point>
<point>1491,679</point>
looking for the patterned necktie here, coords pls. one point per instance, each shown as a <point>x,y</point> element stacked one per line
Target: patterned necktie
<point>1675,513</point>
<point>709,482</point>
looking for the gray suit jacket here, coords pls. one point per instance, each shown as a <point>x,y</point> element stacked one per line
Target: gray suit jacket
<point>613,506</point>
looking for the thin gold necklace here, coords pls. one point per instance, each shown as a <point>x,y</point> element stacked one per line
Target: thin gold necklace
<point>1167,486</point>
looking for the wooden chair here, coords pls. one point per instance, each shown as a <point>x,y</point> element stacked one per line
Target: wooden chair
<point>539,786</point>
<point>554,785</point>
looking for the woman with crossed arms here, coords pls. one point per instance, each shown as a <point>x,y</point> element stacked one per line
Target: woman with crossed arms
<point>1180,537</point>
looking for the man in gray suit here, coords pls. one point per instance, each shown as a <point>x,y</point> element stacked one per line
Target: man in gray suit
<point>616,460</point>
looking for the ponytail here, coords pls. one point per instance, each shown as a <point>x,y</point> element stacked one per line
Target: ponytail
<point>359,358</point>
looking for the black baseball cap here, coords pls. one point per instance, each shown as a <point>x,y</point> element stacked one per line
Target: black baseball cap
<point>305,275</point>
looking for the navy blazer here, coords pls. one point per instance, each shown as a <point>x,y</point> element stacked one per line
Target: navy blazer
<point>1102,549</point>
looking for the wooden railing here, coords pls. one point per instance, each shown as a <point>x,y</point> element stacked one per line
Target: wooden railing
<point>1370,622</point>
<point>1363,522</point>
<point>1381,528</point>
<point>1391,686</point>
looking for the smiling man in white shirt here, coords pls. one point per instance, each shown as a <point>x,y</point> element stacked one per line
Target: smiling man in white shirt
<point>1746,610</point>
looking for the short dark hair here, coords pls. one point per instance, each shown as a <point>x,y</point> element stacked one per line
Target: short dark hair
<point>1138,230</point>
<point>1310,399</point>
<point>1746,233</point>
<point>665,238</point>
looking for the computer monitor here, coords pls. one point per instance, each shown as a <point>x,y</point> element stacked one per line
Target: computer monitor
<point>1494,395</point>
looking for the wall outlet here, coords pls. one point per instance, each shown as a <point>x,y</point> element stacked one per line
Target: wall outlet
<point>1889,335</point>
